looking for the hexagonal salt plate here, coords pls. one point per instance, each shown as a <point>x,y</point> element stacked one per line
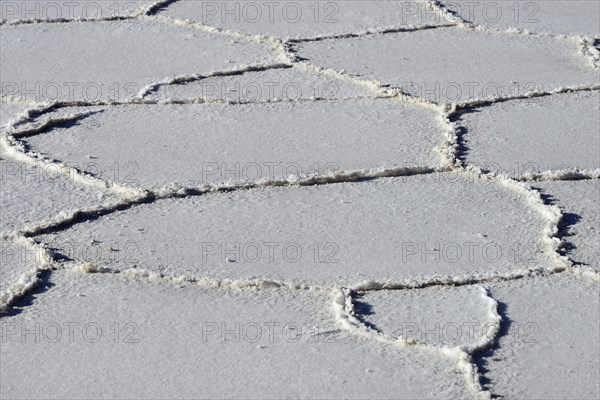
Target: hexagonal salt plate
<point>443,316</point>
<point>304,19</point>
<point>530,136</point>
<point>153,146</point>
<point>454,65</point>
<point>211,343</point>
<point>547,345</point>
<point>48,62</point>
<point>415,227</point>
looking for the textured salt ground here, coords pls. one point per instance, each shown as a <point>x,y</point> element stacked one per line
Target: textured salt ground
<point>157,145</point>
<point>306,356</point>
<point>547,350</point>
<point>518,371</point>
<point>438,64</point>
<point>438,315</point>
<point>31,10</point>
<point>135,53</point>
<point>15,260</point>
<point>328,234</point>
<point>573,17</point>
<point>305,19</point>
<point>529,136</point>
<point>269,85</point>
<point>579,202</point>
<point>8,111</point>
<point>33,194</point>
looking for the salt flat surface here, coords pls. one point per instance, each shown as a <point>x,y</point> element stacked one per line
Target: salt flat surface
<point>552,336</point>
<point>152,53</point>
<point>580,202</point>
<point>194,174</point>
<point>387,229</point>
<point>204,343</point>
<point>158,145</point>
<point>530,136</point>
<point>573,17</point>
<point>441,316</point>
<point>287,84</point>
<point>303,19</point>
<point>8,111</point>
<point>438,64</point>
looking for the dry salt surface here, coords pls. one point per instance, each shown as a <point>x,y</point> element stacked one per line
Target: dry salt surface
<point>358,199</point>
<point>575,17</point>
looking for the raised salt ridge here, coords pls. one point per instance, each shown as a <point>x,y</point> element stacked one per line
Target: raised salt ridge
<point>580,205</point>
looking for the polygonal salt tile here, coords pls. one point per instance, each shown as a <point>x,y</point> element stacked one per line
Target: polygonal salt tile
<point>31,10</point>
<point>282,84</point>
<point>32,194</point>
<point>305,19</point>
<point>547,347</point>
<point>572,17</point>
<point>386,229</point>
<point>48,62</point>
<point>153,146</point>
<point>530,136</point>
<point>84,331</point>
<point>447,65</point>
<point>439,315</point>
<point>579,202</point>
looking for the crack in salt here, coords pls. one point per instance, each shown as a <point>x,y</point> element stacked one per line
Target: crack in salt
<point>370,32</point>
<point>450,15</point>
